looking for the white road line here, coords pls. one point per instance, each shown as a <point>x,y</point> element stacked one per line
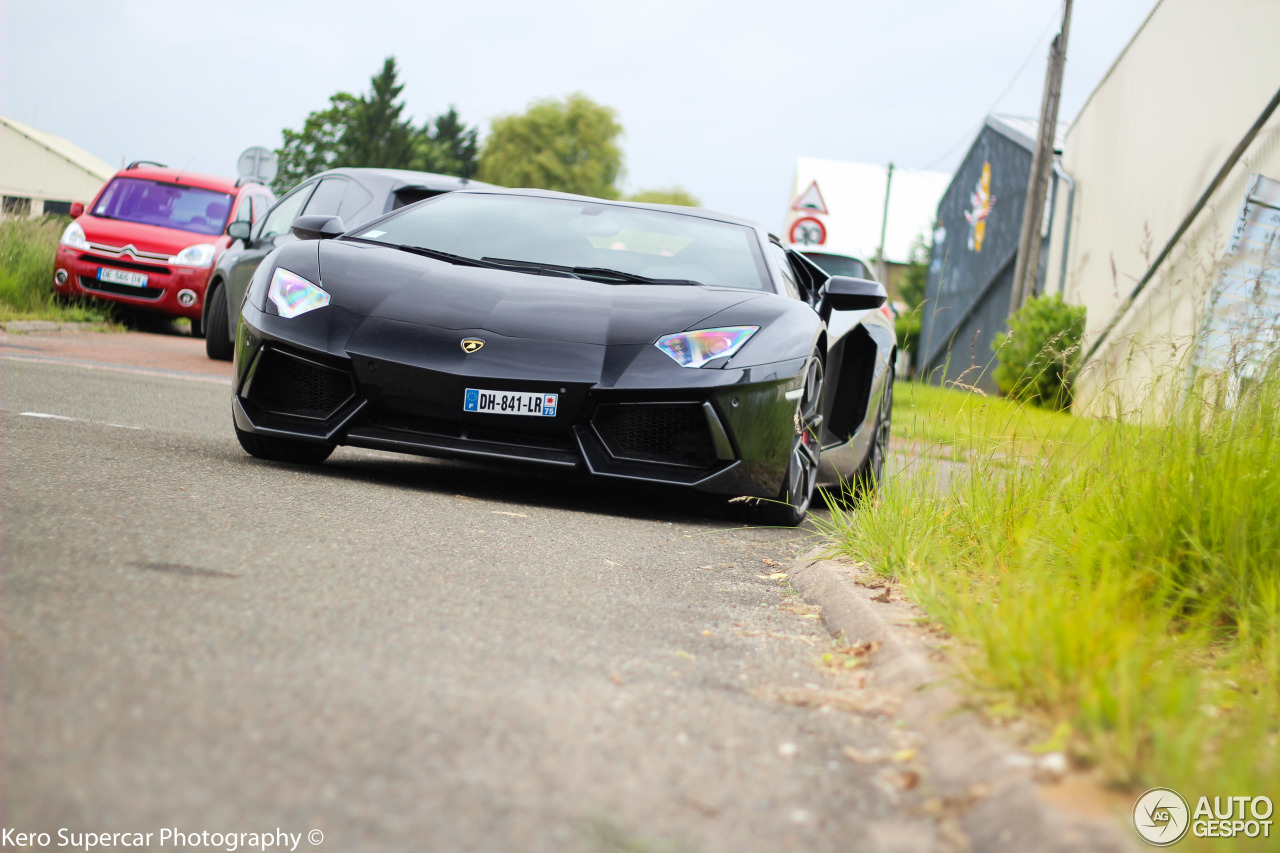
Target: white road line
<point>117,368</point>
<point>49,417</point>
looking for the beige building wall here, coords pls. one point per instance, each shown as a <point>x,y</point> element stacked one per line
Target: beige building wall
<point>42,167</point>
<point>1146,145</point>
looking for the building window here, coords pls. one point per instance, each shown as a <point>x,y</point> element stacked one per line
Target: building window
<point>57,208</point>
<point>16,206</point>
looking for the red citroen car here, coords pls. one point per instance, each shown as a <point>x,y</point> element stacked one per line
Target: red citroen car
<point>151,237</point>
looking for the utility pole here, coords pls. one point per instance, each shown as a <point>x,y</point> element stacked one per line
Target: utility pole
<point>881,263</point>
<point>1028,266</point>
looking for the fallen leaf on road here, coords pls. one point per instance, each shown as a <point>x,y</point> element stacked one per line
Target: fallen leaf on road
<point>699,804</point>
<point>801,609</point>
<point>904,755</point>
<point>769,562</point>
<point>857,757</point>
<point>773,577</point>
<point>615,678</point>
<point>903,780</point>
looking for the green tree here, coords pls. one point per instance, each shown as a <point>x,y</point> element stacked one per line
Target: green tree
<point>318,146</point>
<point>569,145</point>
<point>450,147</point>
<point>674,195</point>
<point>371,130</point>
<point>914,279</point>
<point>1039,356</point>
<point>376,135</point>
<point>911,290</point>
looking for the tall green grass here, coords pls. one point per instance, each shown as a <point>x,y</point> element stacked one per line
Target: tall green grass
<point>27,248</point>
<point>1123,579</point>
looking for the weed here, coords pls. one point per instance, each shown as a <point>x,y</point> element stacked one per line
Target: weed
<point>1119,581</point>
<point>27,248</point>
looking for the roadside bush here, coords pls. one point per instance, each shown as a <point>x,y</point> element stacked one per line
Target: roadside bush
<point>27,248</point>
<point>1039,356</point>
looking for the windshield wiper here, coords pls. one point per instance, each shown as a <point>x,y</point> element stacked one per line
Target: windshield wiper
<point>435,254</point>
<point>611,276</point>
<point>630,277</point>
<point>530,267</point>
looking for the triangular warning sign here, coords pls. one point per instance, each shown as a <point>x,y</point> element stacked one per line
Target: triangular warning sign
<point>811,199</point>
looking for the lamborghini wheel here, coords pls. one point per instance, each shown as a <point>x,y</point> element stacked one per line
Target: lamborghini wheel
<point>283,449</point>
<point>872,473</point>
<point>791,505</point>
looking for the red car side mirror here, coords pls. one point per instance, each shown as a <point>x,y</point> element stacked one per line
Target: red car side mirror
<point>77,208</point>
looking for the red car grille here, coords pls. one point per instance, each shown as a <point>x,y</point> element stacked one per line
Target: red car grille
<point>120,289</point>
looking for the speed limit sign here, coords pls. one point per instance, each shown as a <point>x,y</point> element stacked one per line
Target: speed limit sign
<point>807,231</point>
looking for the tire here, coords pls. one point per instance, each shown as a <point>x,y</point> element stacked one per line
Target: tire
<point>284,449</point>
<point>871,474</point>
<point>217,339</point>
<point>800,482</point>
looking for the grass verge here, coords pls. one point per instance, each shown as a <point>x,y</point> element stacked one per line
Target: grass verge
<point>27,248</point>
<point>1119,583</point>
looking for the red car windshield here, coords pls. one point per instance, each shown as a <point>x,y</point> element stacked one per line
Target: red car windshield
<point>167,205</point>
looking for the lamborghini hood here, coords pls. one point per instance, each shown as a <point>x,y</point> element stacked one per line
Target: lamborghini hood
<point>389,284</point>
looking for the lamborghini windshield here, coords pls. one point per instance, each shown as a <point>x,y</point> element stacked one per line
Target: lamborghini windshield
<point>583,238</point>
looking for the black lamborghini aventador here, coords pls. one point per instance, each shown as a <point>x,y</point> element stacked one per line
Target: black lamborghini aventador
<point>613,340</point>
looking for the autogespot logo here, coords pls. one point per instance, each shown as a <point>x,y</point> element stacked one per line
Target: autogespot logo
<point>1161,817</point>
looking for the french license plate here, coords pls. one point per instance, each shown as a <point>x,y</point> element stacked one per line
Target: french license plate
<point>509,403</point>
<point>133,279</point>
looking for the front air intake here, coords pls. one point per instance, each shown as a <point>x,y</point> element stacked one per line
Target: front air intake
<point>287,384</point>
<point>666,433</point>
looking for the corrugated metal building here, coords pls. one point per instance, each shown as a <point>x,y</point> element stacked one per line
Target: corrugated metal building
<point>975,248</point>
<point>42,173</point>
<point>1173,113</point>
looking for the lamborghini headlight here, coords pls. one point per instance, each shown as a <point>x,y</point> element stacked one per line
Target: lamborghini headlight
<point>294,295</point>
<point>694,349</point>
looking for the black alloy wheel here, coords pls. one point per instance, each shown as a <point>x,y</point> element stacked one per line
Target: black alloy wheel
<point>217,340</point>
<point>800,484</point>
<point>872,473</point>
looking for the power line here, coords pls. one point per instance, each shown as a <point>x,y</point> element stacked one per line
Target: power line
<point>1017,75</point>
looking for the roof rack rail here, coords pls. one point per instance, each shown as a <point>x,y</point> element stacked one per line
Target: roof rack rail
<point>136,163</point>
<point>249,179</point>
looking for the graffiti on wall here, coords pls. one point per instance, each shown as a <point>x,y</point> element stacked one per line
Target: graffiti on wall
<point>982,201</point>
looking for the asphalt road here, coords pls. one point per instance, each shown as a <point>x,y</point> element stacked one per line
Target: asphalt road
<point>402,653</point>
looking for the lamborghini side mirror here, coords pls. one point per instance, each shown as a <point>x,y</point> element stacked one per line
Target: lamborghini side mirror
<point>843,293</point>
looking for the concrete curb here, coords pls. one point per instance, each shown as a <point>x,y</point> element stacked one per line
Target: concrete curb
<point>22,327</point>
<point>978,786</point>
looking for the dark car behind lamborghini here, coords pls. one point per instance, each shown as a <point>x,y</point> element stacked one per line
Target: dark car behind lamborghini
<point>616,340</point>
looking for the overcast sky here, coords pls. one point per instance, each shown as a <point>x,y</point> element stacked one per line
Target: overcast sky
<point>717,97</point>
